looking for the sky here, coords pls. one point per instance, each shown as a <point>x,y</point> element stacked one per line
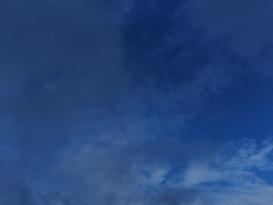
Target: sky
<point>133,102</point>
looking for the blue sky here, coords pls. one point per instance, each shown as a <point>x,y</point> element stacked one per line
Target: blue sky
<point>136,102</point>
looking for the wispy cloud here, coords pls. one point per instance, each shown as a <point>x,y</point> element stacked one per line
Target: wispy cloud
<point>97,98</point>
<point>234,177</point>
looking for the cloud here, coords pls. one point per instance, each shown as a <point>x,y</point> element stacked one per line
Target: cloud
<point>198,174</point>
<point>232,174</point>
<point>102,174</point>
<point>234,178</point>
<point>131,172</point>
<point>61,68</point>
<point>94,107</point>
<point>67,73</point>
<point>61,63</point>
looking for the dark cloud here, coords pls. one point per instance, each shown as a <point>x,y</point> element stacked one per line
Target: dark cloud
<point>16,193</point>
<point>66,78</point>
<point>167,196</point>
<point>61,63</point>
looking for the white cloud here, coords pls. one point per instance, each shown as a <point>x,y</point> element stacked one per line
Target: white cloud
<point>234,179</point>
<point>231,177</point>
<point>201,173</point>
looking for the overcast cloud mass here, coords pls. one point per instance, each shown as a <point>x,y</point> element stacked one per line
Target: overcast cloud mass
<point>133,102</point>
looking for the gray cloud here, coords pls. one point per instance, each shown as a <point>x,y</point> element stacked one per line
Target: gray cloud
<point>61,64</point>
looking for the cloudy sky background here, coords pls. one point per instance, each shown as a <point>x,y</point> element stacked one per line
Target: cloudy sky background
<point>136,102</point>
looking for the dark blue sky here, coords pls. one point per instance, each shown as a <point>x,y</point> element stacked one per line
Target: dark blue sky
<point>136,102</point>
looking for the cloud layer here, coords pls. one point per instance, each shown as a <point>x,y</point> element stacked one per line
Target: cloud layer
<point>122,102</point>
